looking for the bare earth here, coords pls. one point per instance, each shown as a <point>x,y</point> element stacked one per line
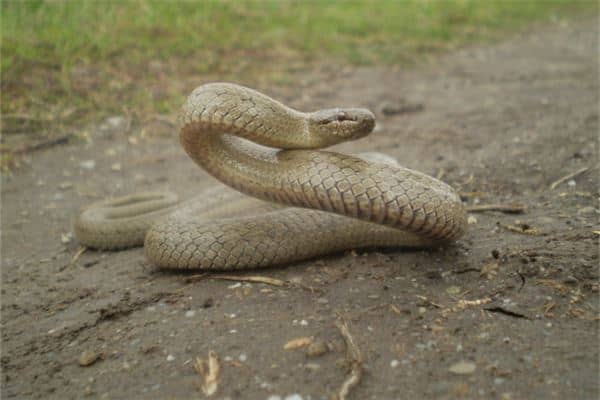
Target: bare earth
<point>499,123</point>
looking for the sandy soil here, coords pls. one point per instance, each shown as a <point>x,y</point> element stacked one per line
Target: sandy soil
<point>509,312</point>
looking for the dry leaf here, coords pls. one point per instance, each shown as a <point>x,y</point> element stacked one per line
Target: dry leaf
<point>209,372</point>
<point>297,343</point>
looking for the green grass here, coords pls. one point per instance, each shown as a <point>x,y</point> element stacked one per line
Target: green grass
<point>67,61</point>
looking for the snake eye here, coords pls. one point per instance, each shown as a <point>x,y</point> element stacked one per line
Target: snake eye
<point>340,116</point>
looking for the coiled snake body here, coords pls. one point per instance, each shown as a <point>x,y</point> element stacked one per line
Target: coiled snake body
<point>335,201</point>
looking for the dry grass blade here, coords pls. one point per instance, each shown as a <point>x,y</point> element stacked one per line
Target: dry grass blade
<point>78,254</point>
<point>254,279</point>
<point>209,370</point>
<point>353,357</point>
<point>567,177</point>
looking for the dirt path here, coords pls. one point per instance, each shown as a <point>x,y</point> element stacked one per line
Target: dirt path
<point>502,314</point>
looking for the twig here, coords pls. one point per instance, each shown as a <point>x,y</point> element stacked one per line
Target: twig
<point>428,302</point>
<point>44,144</point>
<point>354,358</point>
<point>567,177</point>
<point>505,208</point>
<point>523,229</point>
<point>78,254</point>
<point>255,279</point>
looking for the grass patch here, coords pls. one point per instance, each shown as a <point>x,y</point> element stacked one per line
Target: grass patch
<point>64,62</point>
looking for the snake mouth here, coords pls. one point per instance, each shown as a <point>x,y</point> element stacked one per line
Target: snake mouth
<point>343,123</point>
<point>340,116</point>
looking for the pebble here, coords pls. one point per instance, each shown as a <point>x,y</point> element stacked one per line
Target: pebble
<point>394,363</point>
<point>88,164</point>
<point>586,210</point>
<point>190,313</point>
<point>471,220</point>
<point>312,366</point>
<point>115,167</point>
<point>571,183</point>
<point>453,290</point>
<point>66,238</point>
<point>243,357</point>
<point>116,122</point>
<point>170,358</point>
<point>88,357</point>
<point>463,368</point>
<point>294,396</point>
<point>317,348</point>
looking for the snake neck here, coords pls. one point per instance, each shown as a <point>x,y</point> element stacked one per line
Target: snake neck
<point>238,163</point>
<point>246,113</point>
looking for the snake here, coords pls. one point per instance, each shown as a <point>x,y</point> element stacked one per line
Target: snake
<point>284,199</point>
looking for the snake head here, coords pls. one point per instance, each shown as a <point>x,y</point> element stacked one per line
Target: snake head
<point>337,125</point>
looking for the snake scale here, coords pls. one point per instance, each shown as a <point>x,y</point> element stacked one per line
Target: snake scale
<point>305,201</point>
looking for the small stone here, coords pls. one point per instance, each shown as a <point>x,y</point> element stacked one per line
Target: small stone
<point>453,290</point>
<point>116,122</point>
<point>312,366</point>
<point>190,313</point>
<point>274,397</point>
<point>115,167</point>
<point>294,396</point>
<point>65,238</point>
<point>463,368</point>
<point>88,164</point>
<point>586,210</point>
<point>170,358</point>
<point>65,185</point>
<point>471,220</point>
<point>243,357</point>
<point>88,357</point>
<point>317,348</point>
<point>394,363</point>
<point>571,183</point>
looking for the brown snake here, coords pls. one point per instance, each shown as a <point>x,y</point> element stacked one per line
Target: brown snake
<point>389,205</point>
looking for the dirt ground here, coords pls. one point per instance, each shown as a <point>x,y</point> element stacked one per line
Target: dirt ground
<point>509,312</point>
